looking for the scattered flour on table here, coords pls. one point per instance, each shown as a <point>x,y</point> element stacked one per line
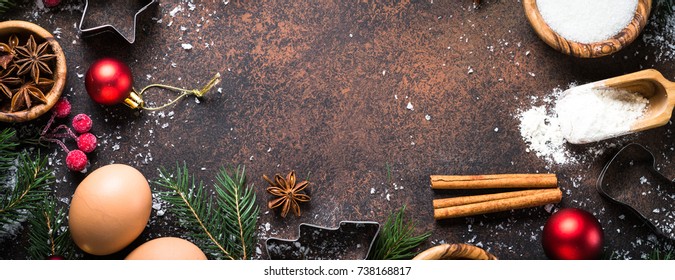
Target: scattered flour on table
<point>587,21</point>
<point>540,129</point>
<point>588,114</point>
<point>660,35</point>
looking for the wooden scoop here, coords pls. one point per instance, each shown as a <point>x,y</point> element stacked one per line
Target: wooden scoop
<point>652,85</point>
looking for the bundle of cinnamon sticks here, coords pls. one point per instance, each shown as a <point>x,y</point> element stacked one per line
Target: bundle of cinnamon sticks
<point>533,190</point>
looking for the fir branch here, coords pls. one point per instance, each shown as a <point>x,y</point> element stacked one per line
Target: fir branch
<point>48,233</point>
<point>31,188</point>
<point>396,240</point>
<point>8,144</point>
<point>241,213</point>
<point>224,226</point>
<point>5,5</point>
<point>667,6</point>
<point>658,254</point>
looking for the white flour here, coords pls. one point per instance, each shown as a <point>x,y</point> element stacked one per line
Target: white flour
<point>587,21</point>
<point>542,133</point>
<point>540,128</point>
<point>588,114</point>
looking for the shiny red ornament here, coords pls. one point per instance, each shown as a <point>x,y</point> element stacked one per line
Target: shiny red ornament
<point>572,234</point>
<point>55,258</point>
<point>109,81</point>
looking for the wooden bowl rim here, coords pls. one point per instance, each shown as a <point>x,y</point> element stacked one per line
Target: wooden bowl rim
<point>450,251</point>
<point>588,50</point>
<point>60,73</point>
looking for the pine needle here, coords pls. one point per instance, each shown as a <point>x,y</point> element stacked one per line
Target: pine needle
<point>222,225</point>
<point>661,255</point>
<point>48,233</point>
<point>25,186</point>
<point>8,144</point>
<point>666,6</point>
<point>5,5</point>
<point>396,240</point>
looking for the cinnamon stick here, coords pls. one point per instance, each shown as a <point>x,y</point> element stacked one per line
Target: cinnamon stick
<point>494,181</point>
<point>545,197</point>
<point>463,200</point>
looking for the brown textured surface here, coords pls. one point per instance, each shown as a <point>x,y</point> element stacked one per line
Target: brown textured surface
<point>321,87</point>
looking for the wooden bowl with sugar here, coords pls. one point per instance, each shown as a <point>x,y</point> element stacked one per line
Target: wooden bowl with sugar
<point>588,49</point>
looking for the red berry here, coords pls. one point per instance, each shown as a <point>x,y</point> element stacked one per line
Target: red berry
<point>51,3</point>
<point>82,123</point>
<point>86,142</point>
<point>62,108</point>
<point>76,160</point>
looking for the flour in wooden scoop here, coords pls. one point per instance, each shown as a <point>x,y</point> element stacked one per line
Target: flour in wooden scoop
<point>588,114</point>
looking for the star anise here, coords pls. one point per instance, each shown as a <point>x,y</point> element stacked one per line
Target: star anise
<point>23,96</point>
<point>7,79</point>
<point>288,192</point>
<point>33,58</point>
<point>7,51</point>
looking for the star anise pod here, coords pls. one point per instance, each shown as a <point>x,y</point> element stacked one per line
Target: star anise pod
<point>288,192</point>
<point>7,79</point>
<point>23,96</point>
<point>7,51</point>
<point>33,58</point>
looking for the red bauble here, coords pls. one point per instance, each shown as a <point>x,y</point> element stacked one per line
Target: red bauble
<point>572,234</point>
<point>108,81</point>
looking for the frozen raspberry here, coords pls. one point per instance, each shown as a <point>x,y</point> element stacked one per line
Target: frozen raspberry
<point>51,3</point>
<point>62,108</point>
<point>82,123</point>
<point>76,160</point>
<point>86,142</point>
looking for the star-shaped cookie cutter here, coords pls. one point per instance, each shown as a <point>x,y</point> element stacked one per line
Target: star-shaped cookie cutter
<point>108,27</point>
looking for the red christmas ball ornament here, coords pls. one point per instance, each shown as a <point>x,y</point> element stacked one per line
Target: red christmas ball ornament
<point>51,3</point>
<point>109,81</point>
<point>572,234</point>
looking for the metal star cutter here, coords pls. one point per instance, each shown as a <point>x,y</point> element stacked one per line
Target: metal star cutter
<point>130,37</point>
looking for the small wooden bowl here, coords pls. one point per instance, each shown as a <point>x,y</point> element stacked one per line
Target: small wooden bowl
<point>590,50</point>
<point>454,252</point>
<point>8,28</point>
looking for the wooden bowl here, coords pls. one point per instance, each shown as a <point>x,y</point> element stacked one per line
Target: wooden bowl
<point>454,252</point>
<point>25,29</point>
<point>590,50</point>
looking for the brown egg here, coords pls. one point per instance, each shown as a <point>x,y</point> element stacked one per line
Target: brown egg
<point>110,209</point>
<point>167,248</point>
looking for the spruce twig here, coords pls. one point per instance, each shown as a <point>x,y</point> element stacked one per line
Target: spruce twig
<point>396,240</point>
<point>241,213</point>
<point>223,226</point>
<point>667,7</point>
<point>31,183</point>
<point>8,144</point>
<point>48,233</point>
<point>5,5</point>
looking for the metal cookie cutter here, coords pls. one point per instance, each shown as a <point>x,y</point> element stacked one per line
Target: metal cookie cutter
<point>631,180</point>
<point>90,31</point>
<point>350,241</point>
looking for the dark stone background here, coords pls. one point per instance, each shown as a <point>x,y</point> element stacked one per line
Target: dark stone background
<point>321,87</point>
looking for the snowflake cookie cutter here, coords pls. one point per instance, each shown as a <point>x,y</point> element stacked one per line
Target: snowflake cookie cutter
<point>95,30</point>
<point>350,241</point>
<point>631,180</point>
